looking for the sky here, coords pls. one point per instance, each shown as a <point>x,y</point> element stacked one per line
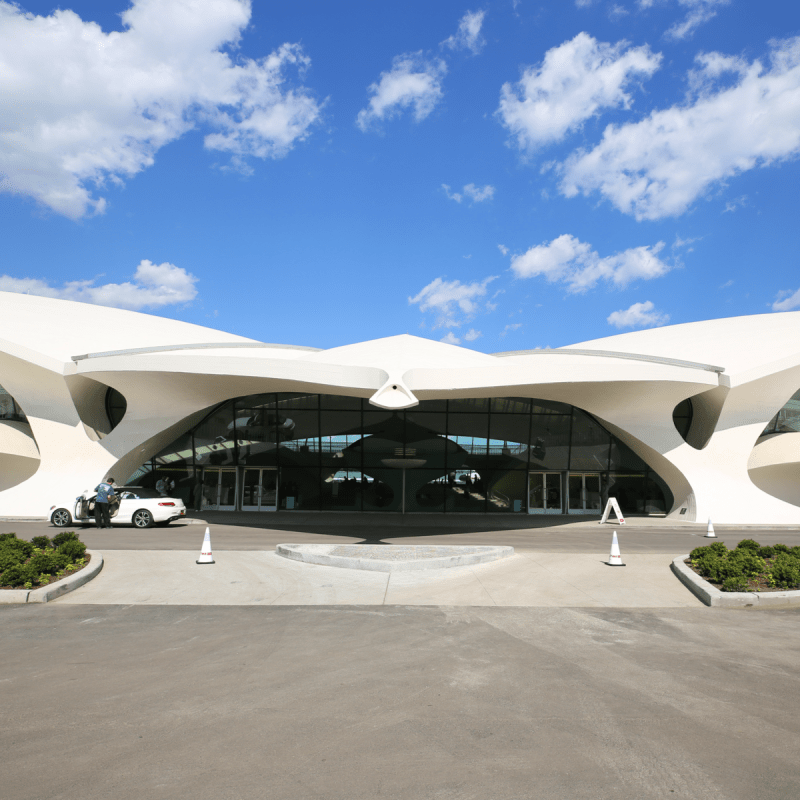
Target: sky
<point>504,175</point>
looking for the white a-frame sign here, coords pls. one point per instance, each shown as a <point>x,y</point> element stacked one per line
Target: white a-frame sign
<point>612,505</point>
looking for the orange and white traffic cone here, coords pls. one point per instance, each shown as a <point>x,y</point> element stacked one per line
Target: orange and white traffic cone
<point>205,551</point>
<point>710,531</point>
<point>615,559</point>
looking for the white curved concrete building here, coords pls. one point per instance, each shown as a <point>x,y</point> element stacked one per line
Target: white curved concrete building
<point>692,421</point>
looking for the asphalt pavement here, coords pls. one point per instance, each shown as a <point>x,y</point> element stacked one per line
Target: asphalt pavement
<point>357,703</point>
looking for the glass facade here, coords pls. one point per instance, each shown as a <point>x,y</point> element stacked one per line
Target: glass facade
<point>787,420</point>
<point>309,452</point>
<point>9,409</point>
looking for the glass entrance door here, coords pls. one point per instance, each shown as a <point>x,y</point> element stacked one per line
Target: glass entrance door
<point>584,493</point>
<point>259,489</point>
<point>544,493</point>
<point>219,488</point>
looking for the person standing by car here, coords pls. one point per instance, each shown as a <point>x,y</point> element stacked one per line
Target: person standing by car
<point>105,491</point>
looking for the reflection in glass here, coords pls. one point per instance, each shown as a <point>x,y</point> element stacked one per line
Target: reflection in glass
<point>549,441</point>
<point>9,408</point>
<point>590,444</point>
<point>299,451</point>
<point>787,420</point>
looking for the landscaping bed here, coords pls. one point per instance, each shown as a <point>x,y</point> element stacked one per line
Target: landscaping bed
<point>31,565</point>
<point>748,567</point>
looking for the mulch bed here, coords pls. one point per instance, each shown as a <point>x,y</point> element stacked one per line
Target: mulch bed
<point>53,578</point>
<point>757,584</point>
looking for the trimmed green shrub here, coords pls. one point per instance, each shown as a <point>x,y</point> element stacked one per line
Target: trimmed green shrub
<point>766,552</point>
<point>711,567</point>
<point>786,571</point>
<point>781,548</point>
<point>744,562</point>
<point>64,536</point>
<point>15,576</point>
<point>42,542</point>
<point>22,549</point>
<point>10,558</point>
<point>73,548</point>
<point>748,544</point>
<point>61,561</point>
<point>717,548</point>
<point>795,551</point>
<point>44,563</point>
<point>734,585</point>
<point>4,537</point>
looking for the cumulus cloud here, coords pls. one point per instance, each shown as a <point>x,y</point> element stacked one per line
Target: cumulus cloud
<point>575,81</point>
<point>450,338</point>
<point>699,11</point>
<point>468,36</point>
<point>471,335</point>
<point>412,82</point>
<point>449,298</point>
<point>659,166</point>
<point>153,286</point>
<point>568,260</point>
<point>471,192</point>
<point>639,315</point>
<point>80,107</point>
<point>787,300</point>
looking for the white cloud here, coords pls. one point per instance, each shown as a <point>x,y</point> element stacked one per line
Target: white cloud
<point>503,249</point>
<point>617,12</point>
<point>412,81</point>
<point>787,300</point>
<point>512,327</point>
<point>568,260</point>
<point>575,81</point>
<point>450,338</point>
<point>659,166</point>
<point>700,11</point>
<point>583,3</point>
<point>471,335</point>
<point>468,36</point>
<point>448,298</point>
<point>473,192</point>
<point>639,315</point>
<point>153,286</point>
<point>79,106</point>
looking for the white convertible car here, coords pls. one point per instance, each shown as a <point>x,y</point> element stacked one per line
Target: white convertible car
<point>135,506</point>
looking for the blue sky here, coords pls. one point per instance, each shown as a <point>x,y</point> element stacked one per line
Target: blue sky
<point>504,175</point>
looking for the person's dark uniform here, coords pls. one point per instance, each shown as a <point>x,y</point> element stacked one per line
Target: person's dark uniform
<point>105,491</point>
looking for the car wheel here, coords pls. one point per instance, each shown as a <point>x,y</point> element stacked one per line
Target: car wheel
<point>61,518</point>
<point>142,518</point>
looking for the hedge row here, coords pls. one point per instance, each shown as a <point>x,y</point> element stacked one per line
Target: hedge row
<point>37,562</point>
<point>748,566</point>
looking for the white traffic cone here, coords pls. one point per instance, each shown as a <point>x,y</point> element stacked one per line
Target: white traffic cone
<point>710,531</point>
<point>205,551</point>
<point>615,559</point>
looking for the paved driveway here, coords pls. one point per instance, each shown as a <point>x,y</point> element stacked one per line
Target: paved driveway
<point>408,703</point>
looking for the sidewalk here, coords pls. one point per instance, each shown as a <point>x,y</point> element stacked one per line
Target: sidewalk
<point>527,579</point>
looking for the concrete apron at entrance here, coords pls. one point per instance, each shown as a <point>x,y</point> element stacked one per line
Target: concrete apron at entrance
<point>528,578</point>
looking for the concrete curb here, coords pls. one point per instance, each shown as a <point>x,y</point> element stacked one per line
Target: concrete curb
<point>452,556</point>
<point>712,596</point>
<point>54,590</point>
